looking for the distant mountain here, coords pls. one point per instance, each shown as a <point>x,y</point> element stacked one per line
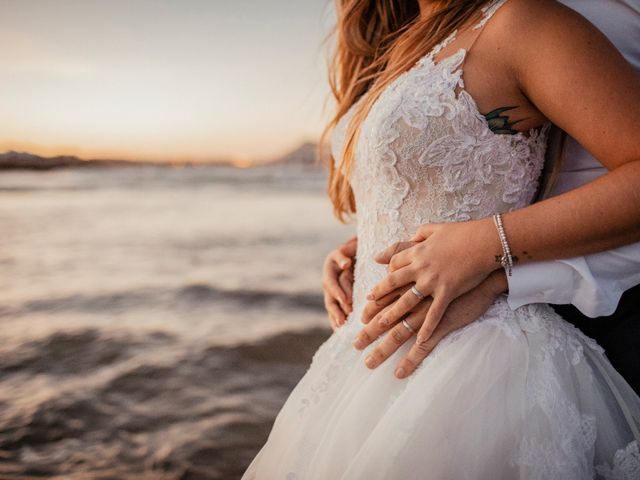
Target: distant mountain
<point>23,160</point>
<point>305,156</point>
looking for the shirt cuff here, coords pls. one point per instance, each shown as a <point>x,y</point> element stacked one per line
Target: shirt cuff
<point>541,282</point>
<point>563,282</point>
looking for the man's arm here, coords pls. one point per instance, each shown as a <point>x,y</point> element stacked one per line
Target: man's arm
<point>593,283</point>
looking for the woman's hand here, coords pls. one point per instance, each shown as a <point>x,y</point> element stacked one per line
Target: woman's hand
<point>447,261</point>
<point>461,312</point>
<point>337,282</point>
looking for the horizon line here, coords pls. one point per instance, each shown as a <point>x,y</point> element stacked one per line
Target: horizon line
<point>132,158</point>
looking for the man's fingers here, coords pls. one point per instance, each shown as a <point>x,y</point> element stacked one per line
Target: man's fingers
<point>394,338</point>
<point>342,260</point>
<point>459,313</point>
<point>350,247</point>
<point>418,352</point>
<point>399,309</point>
<point>394,280</point>
<point>372,308</point>
<point>368,334</point>
<point>334,310</point>
<point>426,340</point>
<point>374,329</point>
<point>432,319</point>
<point>346,284</point>
<point>332,323</point>
<point>336,313</point>
<point>385,255</point>
<point>331,286</point>
<point>421,349</point>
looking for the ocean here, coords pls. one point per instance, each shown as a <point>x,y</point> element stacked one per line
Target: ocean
<point>154,319</point>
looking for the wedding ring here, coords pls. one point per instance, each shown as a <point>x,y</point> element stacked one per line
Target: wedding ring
<point>418,293</point>
<point>407,326</point>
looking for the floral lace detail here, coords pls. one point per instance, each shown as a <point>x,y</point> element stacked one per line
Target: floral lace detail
<point>425,154</point>
<point>488,11</point>
<point>626,464</point>
<point>563,337</point>
<point>476,159</point>
<point>570,435</point>
<point>564,450</point>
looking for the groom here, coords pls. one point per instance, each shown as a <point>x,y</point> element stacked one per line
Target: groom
<point>599,293</point>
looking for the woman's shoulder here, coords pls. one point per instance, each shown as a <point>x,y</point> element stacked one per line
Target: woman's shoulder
<point>528,26</point>
<point>520,18</point>
<point>533,10</point>
<point>571,72</point>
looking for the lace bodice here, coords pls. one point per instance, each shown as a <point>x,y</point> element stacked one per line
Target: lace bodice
<point>425,154</point>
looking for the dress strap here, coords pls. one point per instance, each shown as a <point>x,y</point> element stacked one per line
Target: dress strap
<point>444,43</point>
<point>487,12</point>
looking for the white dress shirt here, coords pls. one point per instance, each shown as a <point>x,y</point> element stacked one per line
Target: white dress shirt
<point>593,283</point>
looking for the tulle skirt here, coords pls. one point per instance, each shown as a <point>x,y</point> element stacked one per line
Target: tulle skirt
<point>515,395</point>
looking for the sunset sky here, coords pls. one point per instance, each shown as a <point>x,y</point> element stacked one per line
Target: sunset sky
<point>162,79</point>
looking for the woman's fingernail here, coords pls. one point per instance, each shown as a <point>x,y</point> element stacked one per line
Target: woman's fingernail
<point>370,296</point>
<point>357,343</point>
<point>400,372</point>
<point>383,322</point>
<point>343,264</point>
<point>369,362</point>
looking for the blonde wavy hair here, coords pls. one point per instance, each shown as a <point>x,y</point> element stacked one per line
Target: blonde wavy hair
<point>375,42</point>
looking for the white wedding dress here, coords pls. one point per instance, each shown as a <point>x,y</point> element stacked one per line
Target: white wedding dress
<point>515,395</point>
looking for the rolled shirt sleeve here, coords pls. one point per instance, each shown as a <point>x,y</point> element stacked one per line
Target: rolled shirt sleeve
<point>593,283</point>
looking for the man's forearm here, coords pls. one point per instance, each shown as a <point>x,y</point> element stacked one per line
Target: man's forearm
<point>497,283</point>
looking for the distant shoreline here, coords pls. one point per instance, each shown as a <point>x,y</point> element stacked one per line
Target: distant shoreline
<point>304,156</point>
<point>27,161</point>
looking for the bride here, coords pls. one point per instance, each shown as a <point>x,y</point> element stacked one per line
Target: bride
<point>518,393</point>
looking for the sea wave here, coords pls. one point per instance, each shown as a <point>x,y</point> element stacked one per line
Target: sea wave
<point>149,177</point>
<point>119,398</point>
<point>183,297</point>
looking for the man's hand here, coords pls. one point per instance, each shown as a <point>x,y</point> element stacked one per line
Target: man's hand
<point>337,282</point>
<point>440,265</point>
<point>461,312</point>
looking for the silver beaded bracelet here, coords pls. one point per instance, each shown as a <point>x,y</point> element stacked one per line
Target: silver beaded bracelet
<point>507,259</point>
